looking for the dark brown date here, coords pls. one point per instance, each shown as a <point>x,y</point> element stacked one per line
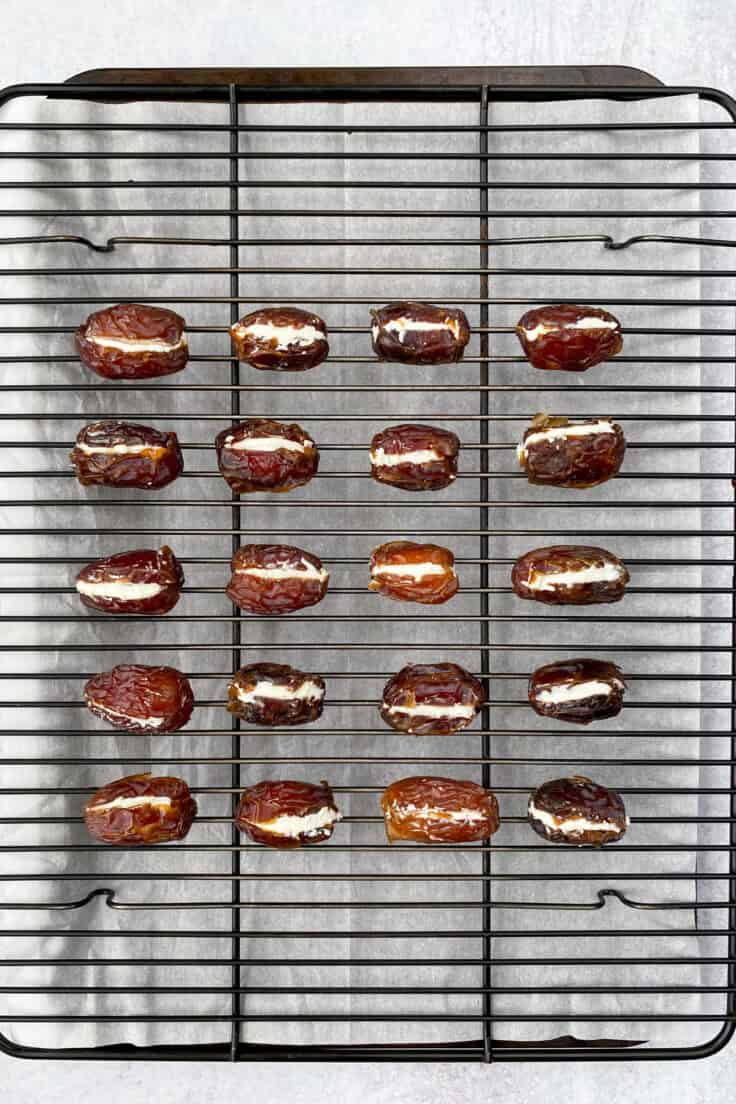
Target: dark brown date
<point>133,341</point>
<point>568,338</point>
<point>141,809</point>
<point>409,572</point>
<point>283,339</point>
<point>562,453</point>
<point>263,455</point>
<point>275,694</point>
<point>578,811</point>
<point>137,698</point>
<point>415,457</point>
<point>144,581</point>
<point>569,575</point>
<point>438,810</point>
<point>419,333</point>
<point>288,814</point>
<point>577,690</point>
<point>121,454</point>
<point>431,699</point>
<point>276,579</point>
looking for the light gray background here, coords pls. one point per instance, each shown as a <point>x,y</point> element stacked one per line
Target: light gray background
<point>681,42</point>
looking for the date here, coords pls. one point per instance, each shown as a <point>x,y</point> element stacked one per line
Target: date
<point>276,579</point>
<point>419,333</point>
<point>415,457</point>
<point>577,811</point>
<point>569,338</point>
<point>138,698</point>
<point>282,339</point>
<point>569,575</point>
<point>409,572</point>
<point>288,814</point>
<point>141,809</point>
<point>562,453</point>
<point>263,455</point>
<point>275,694</point>
<point>131,341</point>
<point>144,581</point>
<point>438,810</point>
<point>121,454</point>
<point>431,699</point>
<point>577,690</point>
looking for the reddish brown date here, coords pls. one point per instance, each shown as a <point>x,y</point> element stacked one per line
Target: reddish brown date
<point>569,575</point>
<point>283,339</point>
<point>137,698</point>
<point>415,457</point>
<point>132,341</point>
<point>577,690</point>
<point>409,572</point>
<point>438,810</point>
<point>144,581</point>
<point>419,333</point>
<point>276,579</point>
<point>562,453</point>
<point>263,455</point>
<point>275,694</point>
<point>569,338</point>
<point>121,454</point>
<point>141,809</point>
<point>577,811</point>
<point>431,699</point>
<point>288,814</point>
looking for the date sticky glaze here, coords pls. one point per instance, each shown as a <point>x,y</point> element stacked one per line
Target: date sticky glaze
<point>133,341</point>
<point>138,698</point>
<point>275,694</point>
<point>282,339</point>
<point>438,810</point>
<point>415,457</point>
<point>263,455</point>
<point>288,814</point>
<point>123,454</point>
<point>419,333</point>
<point>276,579</point>
<point>563,453</point>
<point>431,699</point>
<point>139,810</point>
<point>577,690</point>
<point>568,338</point>
<point>577,811</point>
<point>569,575</point>
<point>409,572</point>
<point>140,582</point>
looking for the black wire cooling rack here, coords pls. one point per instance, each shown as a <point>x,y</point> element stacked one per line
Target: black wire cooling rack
<point>403,988</point>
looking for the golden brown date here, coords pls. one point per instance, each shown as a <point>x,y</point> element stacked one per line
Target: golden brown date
<point>563,453</point>
<point>138,698</point>
<point>577,811</point>
<point>438,810</point>
<point>577,690</point>
<point>275,694</point>
<point>121,454</point>
<point>283,339</point>
<point>141,809</point>
<point>569,575</point>
<point>415,457</point>
<point>144,581</point>
<point>276,579</point>
<point>409,572</point>
<point>288,814</point>
<point>263,455</point>
<point>431,699</point>
<point>419,333</point>
<point>133,341</point>
<point>569,338</point>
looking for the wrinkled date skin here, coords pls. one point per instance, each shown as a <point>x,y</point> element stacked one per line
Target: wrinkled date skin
<point>415,457</point>
<point>263,455</point>
<point>287,814</point>
<point>283,339</point>
<point>419,333</point>
<point>559,452</point>
<point>121,454</point>
<point>438,810</point>
<point>570,575</point>
<point>431,699</point>
<point>144,581</point>
<point>577,811</point>
<point>137,698</point>
<point>577,690</point>
<point>141,809</point>
<point>276,579</point>
<point>275,694</point>
<point>569,338</point>
<point>132,341</point>
<point>409,572</point>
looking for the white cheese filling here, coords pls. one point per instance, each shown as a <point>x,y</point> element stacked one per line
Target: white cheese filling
<point>573,825</point>
<point>139,722</point>
<point>390,459</point>
<point>284,336</point>
<point>266,444</point>
<point>455,710</point>
<point>556,433</point>
<point>578,691</point>
<point>133,803</point>
<point>431,812</point>
<point>307,571</point>
<point>126,591</point>
<point>119,450</point>
<point>414,571</point>
<point>587,323</point>
<point>593,573</point>
<point>405,325</point>
<point>139,345</point>
<point>308,691</point>
<point>293,826</point>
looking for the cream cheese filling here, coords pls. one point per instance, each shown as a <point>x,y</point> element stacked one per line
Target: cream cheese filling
<point>556,433</point>
<point>578,691</point>
<point>588,323</point>
<point>458,709</point>
<point>573,825</point>
<point>133,803</point>
<point>139,345</point>
<point>416,571</point>
<point>284,336</point>
<point>592,573</point>
<point>310,824</point>
<point>405,325</point>
<point>308,691</point>
<point>384,459</point>
<point>123,589</point>
<point>266,444</point>
<point>309,572</point>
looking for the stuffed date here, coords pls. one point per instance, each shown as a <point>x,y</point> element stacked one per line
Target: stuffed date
<point>415,457</point>
<point>138,698</point>
<point>438,810</point>
<point>577,690</point>
<point>131,341</point>
<point>263,455</point>
<point>431,699</point>
<point>274,694</point>
<point>568,338</point>
<point>288,814</point>
<point>276,579</point>
<point>121,454</point>
<point>283,339</point>
<point>577,811</point>
<point>569,575</point>
<point>409,572</point>
<point>562,453</point>
<point>144,581</point>
<point>419,333</point>
<point>141,809</point>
